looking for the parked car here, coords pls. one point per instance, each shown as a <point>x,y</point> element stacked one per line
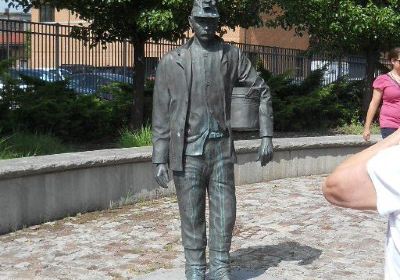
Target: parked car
<point>45,74</point>
<point>125,71</point>
<point>90,83</point>
<point>72,69</point>
<point>332,69</point>
<point>61,73</point>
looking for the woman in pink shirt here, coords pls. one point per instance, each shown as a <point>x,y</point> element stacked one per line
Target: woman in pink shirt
<point>386,90</point>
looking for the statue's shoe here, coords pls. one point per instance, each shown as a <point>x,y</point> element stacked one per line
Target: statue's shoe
<point>195,272</point>
<point>220,273</point>
<point>219,265</point>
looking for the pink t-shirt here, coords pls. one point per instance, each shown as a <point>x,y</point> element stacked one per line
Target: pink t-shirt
<point>390,111</point>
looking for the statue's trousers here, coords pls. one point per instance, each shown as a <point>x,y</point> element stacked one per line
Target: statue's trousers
<point>210,173</point>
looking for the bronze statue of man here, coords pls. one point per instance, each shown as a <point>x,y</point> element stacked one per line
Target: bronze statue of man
<point>192,136</point>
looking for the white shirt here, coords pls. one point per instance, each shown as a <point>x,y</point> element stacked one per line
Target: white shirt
<point>384,171</point>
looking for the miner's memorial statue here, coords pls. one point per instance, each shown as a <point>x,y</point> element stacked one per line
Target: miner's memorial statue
<point>192,136</point>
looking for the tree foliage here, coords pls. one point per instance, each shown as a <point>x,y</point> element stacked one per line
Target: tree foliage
<point>344,26</point>
<point>367,27</point>
<point>149,19</point>
<point>141,20</point>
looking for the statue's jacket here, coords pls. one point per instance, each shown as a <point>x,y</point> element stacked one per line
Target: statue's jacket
<point>171,99</point>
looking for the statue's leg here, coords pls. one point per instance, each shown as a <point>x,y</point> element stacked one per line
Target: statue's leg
<point>222,199</point>
<point>191,192</point>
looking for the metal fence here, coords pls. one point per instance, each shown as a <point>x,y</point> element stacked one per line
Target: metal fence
<point>298,64</point>
<point>48,51</point>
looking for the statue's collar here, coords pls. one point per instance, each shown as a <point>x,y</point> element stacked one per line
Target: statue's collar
<point>183,51</point>
<point>187,45</point>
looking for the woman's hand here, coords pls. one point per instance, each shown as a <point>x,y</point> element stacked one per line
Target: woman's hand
<point>367,134</point>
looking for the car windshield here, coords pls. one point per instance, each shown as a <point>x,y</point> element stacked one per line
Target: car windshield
<point>31,73</point>
<point>115,77</point>
<point>91,82</point>
<point>84,80</point>
<point>49,75</point>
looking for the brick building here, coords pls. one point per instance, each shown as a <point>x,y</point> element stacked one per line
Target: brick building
<point>12,38</point>
<point>66,50</point>
<point>256,36</point>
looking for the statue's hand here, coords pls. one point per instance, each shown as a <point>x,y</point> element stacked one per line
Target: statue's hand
<point>161,175</point>
<point>266,150</point>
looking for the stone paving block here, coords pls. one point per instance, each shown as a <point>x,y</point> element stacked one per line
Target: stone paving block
<point>285,230</point>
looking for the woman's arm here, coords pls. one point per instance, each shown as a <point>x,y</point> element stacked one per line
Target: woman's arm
<point>373,107</point>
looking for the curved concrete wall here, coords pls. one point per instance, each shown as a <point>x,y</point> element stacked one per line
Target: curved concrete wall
<point>39,189</point>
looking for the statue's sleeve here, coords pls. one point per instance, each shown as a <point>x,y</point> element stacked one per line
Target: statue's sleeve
<point>160,118</point>
<point>249,77</point>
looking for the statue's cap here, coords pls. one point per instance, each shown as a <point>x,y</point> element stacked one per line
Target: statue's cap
<point>205,8</point>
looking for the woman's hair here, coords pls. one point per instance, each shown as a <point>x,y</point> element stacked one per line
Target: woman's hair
<point>394,53</point>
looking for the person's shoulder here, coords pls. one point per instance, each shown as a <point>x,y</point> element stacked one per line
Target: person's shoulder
<point>170,56</point>
<point>382,77</point>
<point>381,82</point>
<point>229,46</point>
<point>391,152</point>
<point>384,166</point>
<point>230,49</point>
<point>385,157</point>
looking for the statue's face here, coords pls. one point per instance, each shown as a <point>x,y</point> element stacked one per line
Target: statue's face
<point>204,27</point>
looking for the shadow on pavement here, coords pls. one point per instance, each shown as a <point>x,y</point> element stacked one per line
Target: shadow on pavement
<point>251,262</point>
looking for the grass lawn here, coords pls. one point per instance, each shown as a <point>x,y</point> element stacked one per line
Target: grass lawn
<point>26,144</point>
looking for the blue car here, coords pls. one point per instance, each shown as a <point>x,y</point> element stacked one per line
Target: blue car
<point>90,83</point>
<point>48,75</point>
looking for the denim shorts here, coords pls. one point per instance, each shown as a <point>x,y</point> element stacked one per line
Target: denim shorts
<point>386,131</point>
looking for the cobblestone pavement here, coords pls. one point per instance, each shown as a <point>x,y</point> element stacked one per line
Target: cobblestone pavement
<point>285,230</point>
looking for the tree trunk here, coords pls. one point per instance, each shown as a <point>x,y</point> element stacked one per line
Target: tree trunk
<point>372,61</point>
<point>136,120</point>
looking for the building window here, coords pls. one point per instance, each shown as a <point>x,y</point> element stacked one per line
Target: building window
<point>46,13</point>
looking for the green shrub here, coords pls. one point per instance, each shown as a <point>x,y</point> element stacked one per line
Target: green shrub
<point>355,127</point>
<point>122,101</point>
<point>22,144</point>
<point>5,152</point>
<point>138,138</point>
<point>309,106</point>
<point>52,108</point>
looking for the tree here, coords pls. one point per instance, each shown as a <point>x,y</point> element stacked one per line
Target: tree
<point>141,20</point>
<point>367,27</point>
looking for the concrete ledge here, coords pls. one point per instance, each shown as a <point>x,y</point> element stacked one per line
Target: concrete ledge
<point>62,162</point>
<point>14,168</point>
<point>38,189</point>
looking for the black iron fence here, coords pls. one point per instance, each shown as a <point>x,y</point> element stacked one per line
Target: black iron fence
<point>49,52</point>
<point>298,63</point>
